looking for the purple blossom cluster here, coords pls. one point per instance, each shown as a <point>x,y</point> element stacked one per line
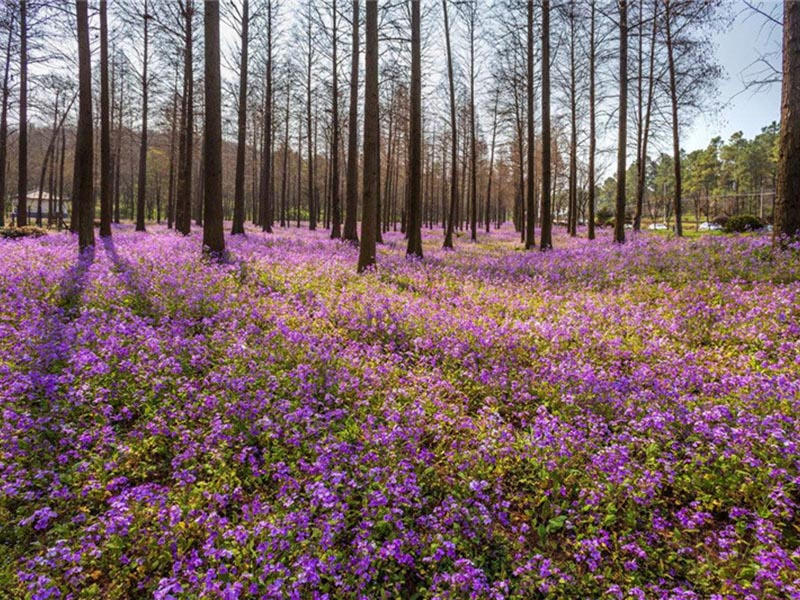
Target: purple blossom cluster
<point>596,421</point>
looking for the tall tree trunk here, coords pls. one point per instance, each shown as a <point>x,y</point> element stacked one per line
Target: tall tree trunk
<point>573,141</point>
<point>82,181</point>
<point>546,241</point>
<point>351,216</point>
<point>141,187</point>
<point>172,129</point>
<point>487,215</point>
<point>414,181</point>
<point>622,138</point>
<point>4,125</point>
<point>592,120</point>
<point>185,139</point>
<point>265,188</point>
<point>676,145</point>
<point>372,160</point>
<point>530,217</point>
<point>22,170</point>
<point>213,236</point>
<point>241,138</point>
<point>312,208</point>
<point>336,211</point>
<point>787,205</point>
<point>61,180</point>
<point>105,127</point>
<point>473,152</point>
<point>637,220</point>
<point>285,159</point>
<point>448,238</point>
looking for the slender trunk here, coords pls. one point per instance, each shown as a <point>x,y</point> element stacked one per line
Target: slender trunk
<point>487,215</point>
<point>336,211</point>
<point>619,216</point>
<point>141,187</point>
<point>285,159</point>
<point>351,216</point>
<point>22,170</point>
<point>185,139</point>
<point>213,236</point>
<point>265,188</point>
<point>414,180</point>
<point>473,151</point>
<point>4,125</point>
<point>312,209</point>
<point>448,239</point>
<point>787,206</point>
<point>105,127</point>
<point>372,161</point>
<point>530,209</point>
<point>547,217</point>
<point>673,93</point>
<point>592,121</point>
<point>172,128</point>
<point>573,142</point>
<point>61,180</point>
<point>241,137</point>
<point>82,182</point>
<point>637,221</point>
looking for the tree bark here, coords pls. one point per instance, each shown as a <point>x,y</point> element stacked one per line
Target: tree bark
<point>787,206</point>
<point>592,120</point>
<point>676,145</point>
<point>546,241</point>
<point>105,127</point>
<point>414,228</point>
<point>265,188</point>
<point>637,220</point>
<point>22,168</point>
<point>372,161</point>
<point>141,186</point>
<point>622,138</point>
<point>185,139</point>
<point>448,239</point>
<point>4,125</point>
<point>573,141</point>
<point>213,236</point>
<point>241,137</point>
<point>336,211</point>
<point>351,214</point>
<point>487,215</point>
<point>82,182</point>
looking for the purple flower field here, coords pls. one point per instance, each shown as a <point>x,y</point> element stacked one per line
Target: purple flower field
<point>595,422</point>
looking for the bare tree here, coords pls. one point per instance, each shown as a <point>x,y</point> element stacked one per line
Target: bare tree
<point>213,236</point>
<point>448,239</point>
<point>241,135</point>
<point>83,180</point>
<point>350,230</point>
<point>415,140</point>
<point>546,241</point>
<point>622,138</point>
<point>372,161</point>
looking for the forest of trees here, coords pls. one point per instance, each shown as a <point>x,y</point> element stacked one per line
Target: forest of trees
<point>396,115</point>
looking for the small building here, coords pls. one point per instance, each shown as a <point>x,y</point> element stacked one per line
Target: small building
<point>34,205</point>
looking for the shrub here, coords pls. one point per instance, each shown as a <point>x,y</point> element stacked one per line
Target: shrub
<point>604,217</point>
<point>742,223</point>
<point>12,233</point>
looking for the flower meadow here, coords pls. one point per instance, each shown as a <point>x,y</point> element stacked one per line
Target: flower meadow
<point>593,422</point>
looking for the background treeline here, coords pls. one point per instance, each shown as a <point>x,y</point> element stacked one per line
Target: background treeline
<point>292,106</point>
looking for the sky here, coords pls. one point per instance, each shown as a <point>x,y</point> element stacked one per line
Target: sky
<point>737,48</point>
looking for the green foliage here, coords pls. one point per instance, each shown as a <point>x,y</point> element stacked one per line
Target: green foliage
<point>13,233</point>
<point>742,223</point>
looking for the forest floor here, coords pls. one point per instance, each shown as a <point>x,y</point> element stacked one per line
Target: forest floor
<point>597,421</point>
